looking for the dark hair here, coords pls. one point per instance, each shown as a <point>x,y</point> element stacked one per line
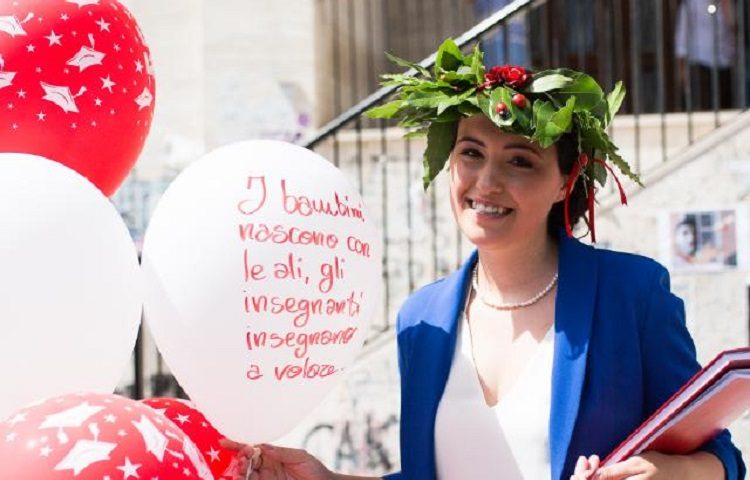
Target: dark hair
<point>567,155</point>
<point>691,222</point>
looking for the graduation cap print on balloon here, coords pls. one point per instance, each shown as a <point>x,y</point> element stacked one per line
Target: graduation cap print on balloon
<point>96,436</point>
<point>76,85</point>
<point>87,57</point>
<point>12,26</point>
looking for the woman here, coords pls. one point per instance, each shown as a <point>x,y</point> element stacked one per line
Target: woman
<point>540,353</point>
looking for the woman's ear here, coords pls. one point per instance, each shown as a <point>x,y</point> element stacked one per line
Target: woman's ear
<point>561,193</point>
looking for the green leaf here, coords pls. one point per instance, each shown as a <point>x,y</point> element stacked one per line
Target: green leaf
<point>440,138</point>
<point>614,100</point>
<point>600,111</point>
<point>451,79</point>
<point>450,115</point>
<point>417,133</point>
<point>421,99</point>
<point>550,122</point>
<point>584,88</point>
<point>623,166</point>
<point>449,57</point>
<point>469,108</point>
<point>561,120</point>
<point>500,95</point>
<point>407,64</point>
<point>542,112</point>
<point>549,82</point>
<point>398,79</point>
<point>600,173</point>
<point>477,64</point>
<point>592,133</point>
<point>454,100</point>
<point>387,110</point>
<point>519,118</point>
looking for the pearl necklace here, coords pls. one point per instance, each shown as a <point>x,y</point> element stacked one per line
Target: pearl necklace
<point>510,306</point>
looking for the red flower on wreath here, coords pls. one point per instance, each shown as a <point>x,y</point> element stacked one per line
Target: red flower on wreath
<point>511,75</point>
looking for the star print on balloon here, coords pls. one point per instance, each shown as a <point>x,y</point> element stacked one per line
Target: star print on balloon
<point>96,436</point>
<point>76,85</point>
<point>189,419</point>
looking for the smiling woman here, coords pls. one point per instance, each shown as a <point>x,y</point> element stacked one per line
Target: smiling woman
<point>502,186</point>
<point>540,353</point>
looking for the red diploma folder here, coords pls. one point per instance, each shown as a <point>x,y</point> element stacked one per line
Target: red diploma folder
<point>705,405</point>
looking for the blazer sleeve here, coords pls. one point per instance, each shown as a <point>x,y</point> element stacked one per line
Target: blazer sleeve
<point>669,360</point>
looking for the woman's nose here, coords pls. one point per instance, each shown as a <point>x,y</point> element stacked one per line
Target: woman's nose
<point>490,179</point>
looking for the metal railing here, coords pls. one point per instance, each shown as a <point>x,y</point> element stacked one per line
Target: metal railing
<point>675,96</point>
<point>678,90</point>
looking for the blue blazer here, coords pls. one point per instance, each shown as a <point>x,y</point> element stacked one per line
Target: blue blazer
<point>621,350</point>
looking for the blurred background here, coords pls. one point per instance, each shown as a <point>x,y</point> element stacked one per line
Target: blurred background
<point>304,70</point>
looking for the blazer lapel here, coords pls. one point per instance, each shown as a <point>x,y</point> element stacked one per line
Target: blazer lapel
<point>432,346</point>
<point>574,309</point>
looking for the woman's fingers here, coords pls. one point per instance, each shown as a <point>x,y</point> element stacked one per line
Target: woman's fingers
<point>284,455</point>
<point>593,463</point>
<point>231,444</point>
<point>585,467</point>
<point>627,469</point>
<point>581,465</point>
<point>241,469</point>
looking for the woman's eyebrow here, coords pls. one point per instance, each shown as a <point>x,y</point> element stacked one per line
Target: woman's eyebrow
<point>524,146</point>
<point>468,138</point>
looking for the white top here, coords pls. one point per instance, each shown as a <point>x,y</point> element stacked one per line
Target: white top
<point>697,30</point>
<point>509,441</point>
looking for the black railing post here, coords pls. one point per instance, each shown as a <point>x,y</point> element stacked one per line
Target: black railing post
<point>742,78</point>
<point>715,86</point>
<point>635,70</point>
<point>660,73</point>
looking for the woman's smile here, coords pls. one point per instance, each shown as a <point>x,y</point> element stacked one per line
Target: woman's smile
<point>484,208</point>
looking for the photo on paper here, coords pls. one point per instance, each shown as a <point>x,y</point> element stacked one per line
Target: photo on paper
<point>702,240</point>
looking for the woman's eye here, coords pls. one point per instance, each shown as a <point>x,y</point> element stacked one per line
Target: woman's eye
<point>522,162</point>
<point>472,156</point>
<point>471,152</point>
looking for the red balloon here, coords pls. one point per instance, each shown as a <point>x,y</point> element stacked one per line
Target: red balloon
<point>95,437</point>
<point>222,462</point>
<point>76,85</point>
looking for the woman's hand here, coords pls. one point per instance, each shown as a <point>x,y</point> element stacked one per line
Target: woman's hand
<point>647,466</point>
<point>266,462</point>
<point>652,466</point>
<point>585,468</point>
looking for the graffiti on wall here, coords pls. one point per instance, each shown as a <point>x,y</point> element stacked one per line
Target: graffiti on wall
<point>355,445</point>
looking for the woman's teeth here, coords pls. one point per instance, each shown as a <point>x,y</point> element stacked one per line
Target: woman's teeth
<point>482,208</point>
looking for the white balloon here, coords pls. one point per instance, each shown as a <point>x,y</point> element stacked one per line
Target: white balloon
<point>262,270</point>
<point>70,286</point>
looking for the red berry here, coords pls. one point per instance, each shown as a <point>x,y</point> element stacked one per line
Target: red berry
<point>519,100</point>
<point>501,108</point>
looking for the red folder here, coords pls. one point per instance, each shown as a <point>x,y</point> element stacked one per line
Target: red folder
<point>705,405</point>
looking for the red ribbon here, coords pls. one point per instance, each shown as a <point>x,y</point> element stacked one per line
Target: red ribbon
<point>583,161</point>
<point>623,198</point>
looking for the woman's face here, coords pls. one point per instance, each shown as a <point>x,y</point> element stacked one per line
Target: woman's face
<point>502,185</point>
<point>684,239</point>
